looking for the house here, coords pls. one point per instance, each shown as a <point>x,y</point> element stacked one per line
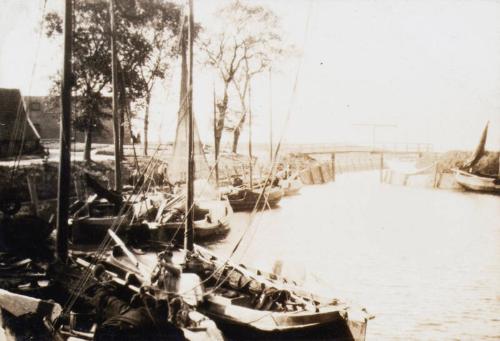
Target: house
<point>45,111</point>
<point>45,115</point>
<point>18,134</point>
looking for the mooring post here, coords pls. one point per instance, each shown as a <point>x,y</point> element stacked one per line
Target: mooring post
<point>434,183</point>
<point>333,167</point>
<point>78,190</point>
<point>381,167</point>
<point>33,195</point>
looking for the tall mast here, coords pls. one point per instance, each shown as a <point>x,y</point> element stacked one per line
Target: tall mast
<point>63,186</point>
<point>270,116</point>
<point>250,132</point>
<point>188,233</point>
<point>215,133</point>
<point>116,116</point>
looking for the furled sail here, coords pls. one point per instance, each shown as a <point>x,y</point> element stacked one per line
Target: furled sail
<point>479,152</point>
<point>177,166</point>
<point>177,170</point>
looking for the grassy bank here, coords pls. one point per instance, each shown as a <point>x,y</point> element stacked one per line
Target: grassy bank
<point>45,176</point>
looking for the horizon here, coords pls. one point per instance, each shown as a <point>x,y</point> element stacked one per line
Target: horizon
<point>431,69</point>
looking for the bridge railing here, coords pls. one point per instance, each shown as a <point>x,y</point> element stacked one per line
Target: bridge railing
<point>317,148</point>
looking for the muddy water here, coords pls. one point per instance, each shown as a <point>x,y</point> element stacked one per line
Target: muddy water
<point>425,262</point>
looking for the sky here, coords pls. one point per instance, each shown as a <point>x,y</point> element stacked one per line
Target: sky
<point>430,69</point>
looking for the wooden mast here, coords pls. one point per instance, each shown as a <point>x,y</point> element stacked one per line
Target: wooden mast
<point>64,179</point>
<point>189,233</point>
<point>116,115</point>
<point>250,133</point>
<point>270,116</point>
<point>216,165</point>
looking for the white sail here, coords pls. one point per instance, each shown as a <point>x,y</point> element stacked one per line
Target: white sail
<point>177,164</point>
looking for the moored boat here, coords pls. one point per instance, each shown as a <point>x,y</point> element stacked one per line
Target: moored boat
<point>290,186</point>
<point>211,221</point>
<point>249,303</point>
<point>474,182</point>
<point>246,199</point>
<point>469,178</point>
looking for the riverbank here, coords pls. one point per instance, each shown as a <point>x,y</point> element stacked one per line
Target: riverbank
<point>38,181</point>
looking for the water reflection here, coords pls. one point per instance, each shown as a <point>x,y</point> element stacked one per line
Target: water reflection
<point>425,262</point>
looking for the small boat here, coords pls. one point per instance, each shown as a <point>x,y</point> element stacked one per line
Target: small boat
<point>267,306</point>
<point>161,213</point>
<point>211,221</point>
<point>91,221</point>
<point>246,199</point>
<point>288,180</point>
<point>291,185</point>
<point>475,182</point>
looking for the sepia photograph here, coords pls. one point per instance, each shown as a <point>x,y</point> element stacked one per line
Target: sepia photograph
<point>249,170</point>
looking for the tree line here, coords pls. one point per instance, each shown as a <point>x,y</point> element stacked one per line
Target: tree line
<point>245,42</point>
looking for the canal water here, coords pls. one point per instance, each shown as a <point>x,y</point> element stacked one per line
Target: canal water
<point>425,262</point>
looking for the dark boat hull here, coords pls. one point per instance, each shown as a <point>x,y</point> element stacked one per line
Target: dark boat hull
<point>340,330</point>
<point>246,199</point>
<point>203,231</point>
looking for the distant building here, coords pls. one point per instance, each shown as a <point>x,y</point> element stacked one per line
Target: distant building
<point>44,112</point>
<point>17,132</point>
<point>44,116</point>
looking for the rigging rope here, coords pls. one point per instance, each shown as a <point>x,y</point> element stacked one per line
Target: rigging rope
<point>107,240</point>
<point>117,223</point>
<point>276,153</point>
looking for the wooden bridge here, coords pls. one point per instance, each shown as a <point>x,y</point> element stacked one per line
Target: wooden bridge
<point>348,158</point>
<point>380,148</point>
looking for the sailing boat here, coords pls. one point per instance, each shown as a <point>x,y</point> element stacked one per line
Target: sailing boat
<point>211,213</point>
<point>156,216</point>
<point>474,181</point>
<point>243,198</point>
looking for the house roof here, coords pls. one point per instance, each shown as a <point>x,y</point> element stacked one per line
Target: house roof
<point>13,113</point>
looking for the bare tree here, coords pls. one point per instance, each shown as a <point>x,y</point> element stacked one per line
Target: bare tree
<point>245,44</point>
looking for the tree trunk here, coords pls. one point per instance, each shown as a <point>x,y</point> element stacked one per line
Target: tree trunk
<point>88,144</point>
<point>146,125</point>
<point>236,139</point>
<point>219,126</point>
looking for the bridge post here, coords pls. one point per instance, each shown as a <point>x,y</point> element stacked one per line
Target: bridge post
<point>333,167</point>
<point>381,167</point>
